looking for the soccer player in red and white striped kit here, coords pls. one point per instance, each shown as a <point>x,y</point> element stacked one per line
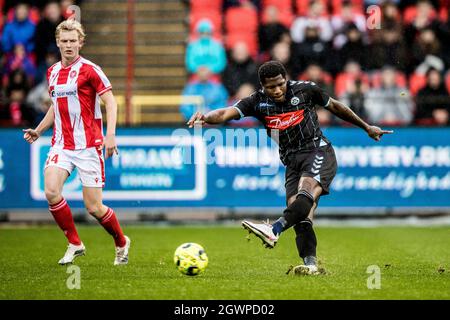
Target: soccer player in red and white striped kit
<point>76,86</point>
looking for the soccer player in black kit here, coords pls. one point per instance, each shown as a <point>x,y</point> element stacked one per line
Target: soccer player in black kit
<point>287,110</point>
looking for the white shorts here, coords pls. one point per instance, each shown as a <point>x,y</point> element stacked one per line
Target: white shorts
<point>89,163</point>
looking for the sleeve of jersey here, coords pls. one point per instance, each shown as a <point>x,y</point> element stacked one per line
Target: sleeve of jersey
<point>319,96</point>
<point>99,81</point>
<point>245,107</point>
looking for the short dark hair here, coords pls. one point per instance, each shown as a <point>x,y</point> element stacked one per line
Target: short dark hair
<point>271,69</point>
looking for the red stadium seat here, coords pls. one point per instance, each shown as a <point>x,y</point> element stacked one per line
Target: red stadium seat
<point>280,4</point>
<point>325,77</point>
<point>416,82</point>
<point>400,79</point>
<point>251,39</point>
<point>241,19</point>
<point>410,14</point>
<point>206,5</point>
<point>343,79</point>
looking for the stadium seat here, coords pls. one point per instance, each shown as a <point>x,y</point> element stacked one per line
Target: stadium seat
<point>241,19</point>
<point>410,14</point>
<point>342,80</point>
<point>416,82</point>
<point>206,5</point>
<point>326,77</point>
<point>280,4</point>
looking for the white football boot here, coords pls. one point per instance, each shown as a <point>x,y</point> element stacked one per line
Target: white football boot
<point>262,231</point>
<point>72,252</point>
<point>122,253</point>
<point>309,268</point>
<point>306,270</point>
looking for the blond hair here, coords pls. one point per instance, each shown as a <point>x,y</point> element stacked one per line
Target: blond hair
<point>70,25</point>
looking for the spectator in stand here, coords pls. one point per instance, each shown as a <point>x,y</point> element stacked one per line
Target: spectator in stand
<point>205,51</point>
<point>45,30</point>
<point>16,112</point>
<point>433,101</point>
<point>244,91</point>
<point>341,23</point>
<point>39,100</point>
<point>312,50</point>
<point>389,104</point>
<point>272,31</point>
<point>281,52</point>
<point>391,15</point>
<point>20,60</point>
<point>317,16</point>
<point>388,50</point>
<point>316,74</point>
<point>51,57</point>
<point>426,44</point>
<point>240,70</point>
<point>425,18</point>
<point>214,94</point>
<point>355,85</point>
<point>353,49</point>
<point>20,30</point>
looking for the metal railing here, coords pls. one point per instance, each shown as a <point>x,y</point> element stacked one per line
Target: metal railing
<point>154,109</point>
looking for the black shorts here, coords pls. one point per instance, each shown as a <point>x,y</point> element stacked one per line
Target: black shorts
<point>319,164</point>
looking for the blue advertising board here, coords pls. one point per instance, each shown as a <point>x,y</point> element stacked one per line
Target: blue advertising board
<point>235,168</point>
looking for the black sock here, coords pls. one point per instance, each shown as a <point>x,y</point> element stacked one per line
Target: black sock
<point>298,210</point>
<point>306,239</point>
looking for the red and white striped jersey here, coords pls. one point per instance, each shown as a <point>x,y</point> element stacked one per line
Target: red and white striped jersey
<point>75,92</point>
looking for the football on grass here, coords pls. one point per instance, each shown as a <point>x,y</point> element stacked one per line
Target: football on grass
<point>190,259</point>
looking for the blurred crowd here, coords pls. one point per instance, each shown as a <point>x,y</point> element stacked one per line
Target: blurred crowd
<point>388,60</point>
<point>27,50</point>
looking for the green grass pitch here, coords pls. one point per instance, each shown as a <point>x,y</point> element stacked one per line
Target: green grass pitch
<point>414,264</point>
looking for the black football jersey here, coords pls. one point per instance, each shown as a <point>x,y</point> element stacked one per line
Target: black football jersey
<point>294,123</point>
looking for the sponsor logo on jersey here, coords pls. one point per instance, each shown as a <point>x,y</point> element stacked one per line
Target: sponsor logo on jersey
<point>62,94</point>
<point>265,104</point>
<point>284,120</point>
<point>295,101</point>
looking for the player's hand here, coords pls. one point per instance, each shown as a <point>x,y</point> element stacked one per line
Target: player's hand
<point>197,119</point>
<point>31,135</point>
<point>376,133</point>
<point>110,145</point>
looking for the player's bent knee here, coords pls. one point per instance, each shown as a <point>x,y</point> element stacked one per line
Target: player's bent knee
<point>52,194</point>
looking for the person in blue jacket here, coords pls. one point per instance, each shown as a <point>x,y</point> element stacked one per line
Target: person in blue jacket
<point>20,30</point>
<point>214,93</point>
<point>205,51</point>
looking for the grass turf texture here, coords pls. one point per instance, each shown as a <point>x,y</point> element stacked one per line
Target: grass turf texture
<point>414,263</point>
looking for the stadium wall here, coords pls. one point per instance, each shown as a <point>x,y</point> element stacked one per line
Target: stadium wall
<point>237,169</point>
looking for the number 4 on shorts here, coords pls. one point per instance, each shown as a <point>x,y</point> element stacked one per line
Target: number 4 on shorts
<point>54,159</point>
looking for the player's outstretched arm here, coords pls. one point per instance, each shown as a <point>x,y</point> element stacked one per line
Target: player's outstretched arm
<point>345,113</point>
<point>31,135</point>
<point>214,117</point>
